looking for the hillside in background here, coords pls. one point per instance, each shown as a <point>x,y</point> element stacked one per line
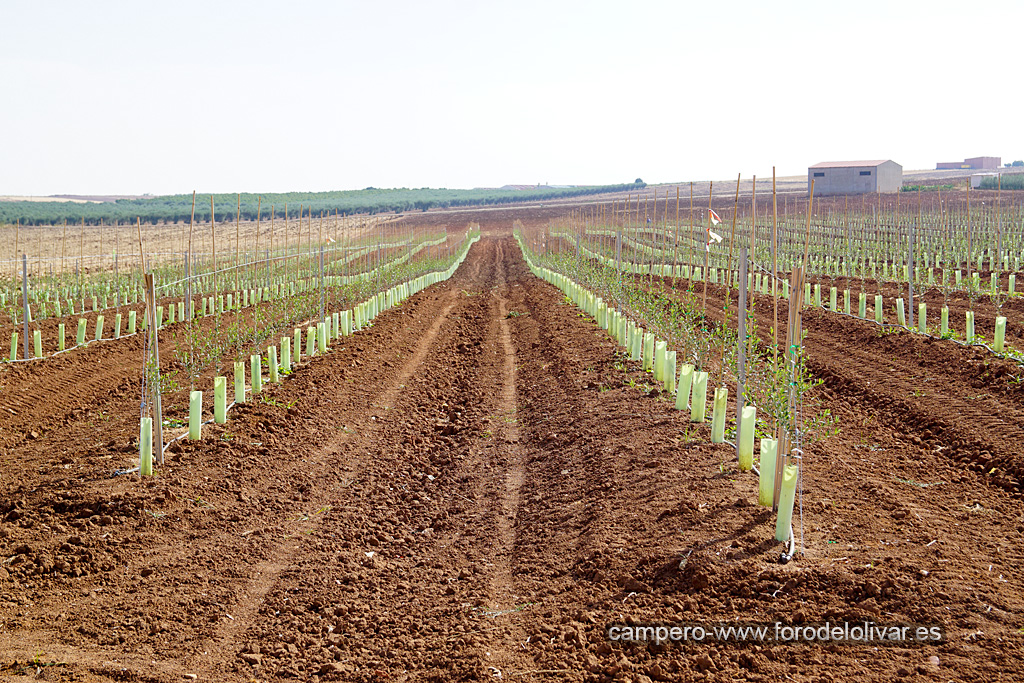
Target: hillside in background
<point>175,208</point>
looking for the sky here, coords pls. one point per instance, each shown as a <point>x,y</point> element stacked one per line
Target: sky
<point>162,98</point>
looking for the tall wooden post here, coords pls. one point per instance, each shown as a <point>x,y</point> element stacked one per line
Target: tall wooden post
<point>792,358</point>
<point>24,301</point>
<point>154,384</point>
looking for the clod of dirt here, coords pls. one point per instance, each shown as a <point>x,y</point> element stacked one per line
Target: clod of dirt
<point>704,662</point>
<point>633,586</point>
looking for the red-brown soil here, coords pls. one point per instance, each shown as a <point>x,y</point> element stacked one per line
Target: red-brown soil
<point>478,484</point>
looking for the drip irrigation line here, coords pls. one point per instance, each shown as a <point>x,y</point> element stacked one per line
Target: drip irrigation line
<point>210,421</point>
<point>196,254</point>
<point>71,348</point>
<point>752,468</point>
<point>126,304</point>
<point>198,276</point>
<point>250,264</point>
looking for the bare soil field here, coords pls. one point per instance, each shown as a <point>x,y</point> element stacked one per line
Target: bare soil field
<point>479,484</point>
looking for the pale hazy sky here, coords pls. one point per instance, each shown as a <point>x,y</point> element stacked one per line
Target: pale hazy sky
<point>136,97</point>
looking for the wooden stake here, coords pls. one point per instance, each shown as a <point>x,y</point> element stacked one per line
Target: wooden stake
<point>142,257</point>
<point>807,236</point>
<point>707,257</point>
<point>188,267</point>
<point>675,245</point>
<point>775,290</point>
<point>793,342</point>
<point>256,255</point>
<point>238,218</point>
<point>999,217</point>
<point>157,404</point>
<point>970,232</point>
<point>63,242</point>
<point>117,284</point>
<point>728,282</point>
<point>654,225</point>
<point>322,290</point>
<point>753,242</point>
<point>689,239</point>
<point>81,262</point>
<point>213,248</point>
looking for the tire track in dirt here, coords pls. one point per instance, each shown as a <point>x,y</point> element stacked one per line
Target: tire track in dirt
<point>270,573</point>
<point>267,573</point>
<point>467,580</point>
<point>510,472</point>
<point>568,496</point>
<point>559,484</point>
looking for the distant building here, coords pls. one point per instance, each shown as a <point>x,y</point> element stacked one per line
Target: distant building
<point>984,163</point>
<point>974,164</point>
<point>976,179</point>
<point>855,177</point>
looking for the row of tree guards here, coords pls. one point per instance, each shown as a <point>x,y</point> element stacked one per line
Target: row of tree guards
<point>942,229</point>
<point>339,255</point>
<point>288,249</point>
<point>877,238</point>
<point>944,240</point>
<point>51,298</point>
<point>318,334</point>
<point>911,320</point>
<point>209,302</point>
<point>780,456</point>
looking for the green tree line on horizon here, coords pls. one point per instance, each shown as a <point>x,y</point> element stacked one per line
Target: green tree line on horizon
<point>1008,182</point>
<point>178,208</point>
